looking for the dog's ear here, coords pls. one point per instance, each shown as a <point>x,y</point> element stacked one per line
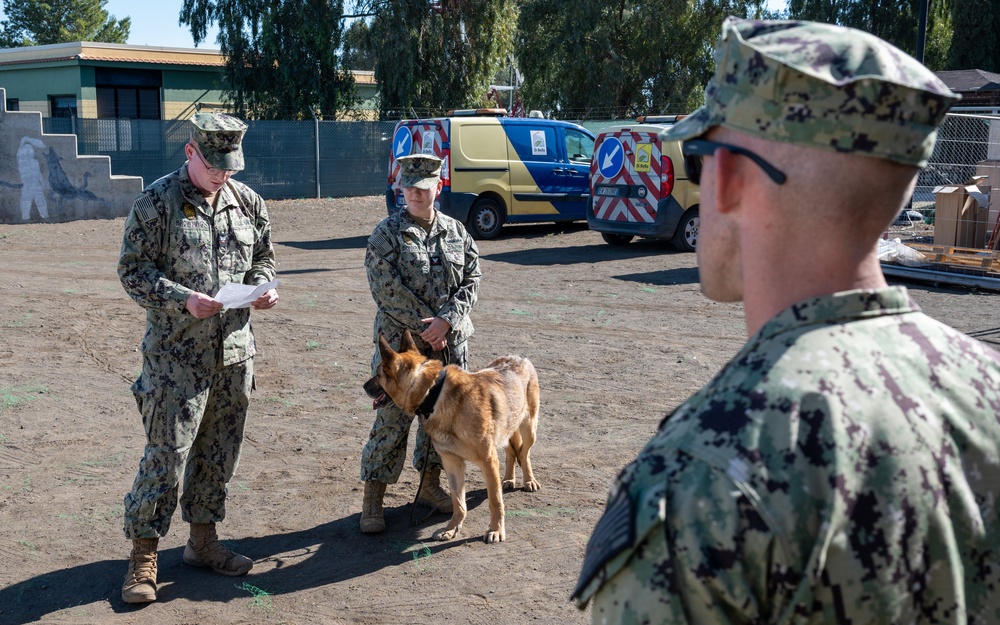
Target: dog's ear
<point>407,344</point>
<point>384,348</point>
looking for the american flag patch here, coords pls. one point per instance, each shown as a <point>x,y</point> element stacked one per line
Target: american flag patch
<point>145,210</point>
<point>614,533</point>
<point>380,244</point>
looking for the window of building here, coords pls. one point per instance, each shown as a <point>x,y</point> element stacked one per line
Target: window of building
<point>62,106</point>
<point>128,93</point>
<point>13,104</point>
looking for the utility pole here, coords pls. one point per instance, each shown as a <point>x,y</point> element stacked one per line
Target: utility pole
<point>921,30</point>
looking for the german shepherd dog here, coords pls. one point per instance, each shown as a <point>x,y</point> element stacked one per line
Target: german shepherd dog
<point>468,416</point>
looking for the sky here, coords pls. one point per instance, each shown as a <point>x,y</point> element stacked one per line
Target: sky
<point>154,23</point>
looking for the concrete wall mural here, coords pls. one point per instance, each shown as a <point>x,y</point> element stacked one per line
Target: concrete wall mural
<point>42,178</point>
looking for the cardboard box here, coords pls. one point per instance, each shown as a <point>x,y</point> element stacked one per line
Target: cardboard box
<point>991,169</point>
<point>961,214</point>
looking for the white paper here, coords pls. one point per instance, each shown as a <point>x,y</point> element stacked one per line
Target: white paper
<point>233,295</point>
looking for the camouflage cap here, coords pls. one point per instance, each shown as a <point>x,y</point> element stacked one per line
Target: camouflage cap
<point>219,138</point>
<point>419,170</point>
<point>822,86</point>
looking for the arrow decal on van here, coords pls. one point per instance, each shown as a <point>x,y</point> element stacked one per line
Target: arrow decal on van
<point>610,157</point>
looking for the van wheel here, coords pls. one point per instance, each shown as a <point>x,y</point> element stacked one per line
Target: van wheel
<point>686,237</point>
<point>616,239</point>
<point>485,219</point>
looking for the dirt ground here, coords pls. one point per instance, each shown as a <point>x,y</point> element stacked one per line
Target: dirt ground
<point>619,337</point>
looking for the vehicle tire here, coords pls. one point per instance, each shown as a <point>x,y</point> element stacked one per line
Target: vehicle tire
<point>485,218</point>
<point>686,237</point>
<point>616,239</point>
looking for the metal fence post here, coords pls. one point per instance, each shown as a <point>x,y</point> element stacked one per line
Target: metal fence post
<point>312,112</point>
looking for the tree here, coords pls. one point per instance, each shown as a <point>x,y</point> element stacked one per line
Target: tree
<point>358,53</point>
<point>41,22</point>
<point>438,55</point>
<point>632,56</point>
<point>974,45</point>
<point>281,55</point>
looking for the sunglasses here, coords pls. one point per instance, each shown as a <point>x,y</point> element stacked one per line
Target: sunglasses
<point>694,149</point>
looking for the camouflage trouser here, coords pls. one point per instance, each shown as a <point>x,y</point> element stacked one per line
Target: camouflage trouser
<point>194,427</point>
<point>384,454</point>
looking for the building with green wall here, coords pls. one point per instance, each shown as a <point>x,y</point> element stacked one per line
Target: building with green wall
<point>118,81</point>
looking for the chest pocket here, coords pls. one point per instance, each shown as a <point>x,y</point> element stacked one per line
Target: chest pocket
<point>239,253</point>
<point>413,259</point>
<point>453,251</point>
<point>192,248</point>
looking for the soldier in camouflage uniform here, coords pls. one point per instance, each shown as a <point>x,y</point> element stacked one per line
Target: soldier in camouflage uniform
<point>844,466</point>
<point>188,234</point>
<point>423,269</point>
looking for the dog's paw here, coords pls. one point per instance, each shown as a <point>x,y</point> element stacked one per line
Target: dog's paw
<point>446,534</point>
<point>531,486</point>
<point>495,537</point>
<point>508,484</point>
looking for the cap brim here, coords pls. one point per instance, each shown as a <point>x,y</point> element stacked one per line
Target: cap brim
<point>419,182</point>
<point>229,161</point>
<point>694,125</point>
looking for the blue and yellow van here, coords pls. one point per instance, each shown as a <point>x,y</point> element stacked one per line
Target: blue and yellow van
<point>499,169</point>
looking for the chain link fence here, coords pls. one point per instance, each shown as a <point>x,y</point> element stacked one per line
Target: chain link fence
<point>298,159</point>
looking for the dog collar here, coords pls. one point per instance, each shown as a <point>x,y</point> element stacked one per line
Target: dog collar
<point>426,407</point>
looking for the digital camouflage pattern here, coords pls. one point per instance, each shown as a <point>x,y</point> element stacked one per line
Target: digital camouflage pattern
<point>220,139</point>
<point>842,468</point>
<point>174,245</point>
<point>821,85</point>
<point>414,275</point>
<point>419,170</point>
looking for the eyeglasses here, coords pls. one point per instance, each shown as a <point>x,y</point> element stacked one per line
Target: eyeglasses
<point>212,171</point>
<point>694,149</point>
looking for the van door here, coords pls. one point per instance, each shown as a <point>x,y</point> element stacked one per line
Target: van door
<point>534,152</point>
<point>579,148</point>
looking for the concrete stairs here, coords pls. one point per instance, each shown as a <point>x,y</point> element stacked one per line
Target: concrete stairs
<point>42,178</point>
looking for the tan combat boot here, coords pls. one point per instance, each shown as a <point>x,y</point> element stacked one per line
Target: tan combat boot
<point>204,549</point>
<point>431,493</point>
<point>140,581</point>
<point>372,514</point>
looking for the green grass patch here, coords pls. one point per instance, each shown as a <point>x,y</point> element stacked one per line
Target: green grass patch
<point>311,345</point>
<point>16,395</point>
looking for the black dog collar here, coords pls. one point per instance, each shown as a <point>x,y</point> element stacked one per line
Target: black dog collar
<point>426,407</point>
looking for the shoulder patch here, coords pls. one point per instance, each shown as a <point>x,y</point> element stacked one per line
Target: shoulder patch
<point>145,210</point>
<point>614,533</point>
<point>380,243</point>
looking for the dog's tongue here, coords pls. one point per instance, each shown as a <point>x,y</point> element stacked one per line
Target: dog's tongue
<point>378,401</point>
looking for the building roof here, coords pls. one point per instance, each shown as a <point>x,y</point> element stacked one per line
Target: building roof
<point>965,80</point>
<point>91,51</point>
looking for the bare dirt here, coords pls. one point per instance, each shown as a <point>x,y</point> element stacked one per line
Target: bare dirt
<point>619,336</point>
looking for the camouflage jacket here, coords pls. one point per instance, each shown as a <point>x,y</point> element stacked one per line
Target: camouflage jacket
<point>842,468</point>
<point>414,275</point>
<point>175,245</point>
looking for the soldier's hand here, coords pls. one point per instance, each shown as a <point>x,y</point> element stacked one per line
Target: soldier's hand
<point>267,300</point>
<point>436,334</point>
<point>202,306</point>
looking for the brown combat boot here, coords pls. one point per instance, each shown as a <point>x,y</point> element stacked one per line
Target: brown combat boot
<point>140,581</point>
<point>372,514</point>
<point>431,493</point>
<point>204,549</point>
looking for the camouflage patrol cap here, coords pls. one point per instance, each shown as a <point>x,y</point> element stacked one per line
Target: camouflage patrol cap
<point>219,138</point>
<point>822,86</point>
<point>419,170</point>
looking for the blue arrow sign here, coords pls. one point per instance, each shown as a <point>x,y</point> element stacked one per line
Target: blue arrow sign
<point>402,142</point>
<point>610,157</point>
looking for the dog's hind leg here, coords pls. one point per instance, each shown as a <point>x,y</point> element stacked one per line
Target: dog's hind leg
<point>528,431</point>
<point>494,491</point>
<point>513,450</point>
<point>454,468</point>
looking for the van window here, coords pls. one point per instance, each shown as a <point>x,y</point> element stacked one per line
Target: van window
<point>579,147</point>
<point>482,142</point>
<point>534,143</point>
